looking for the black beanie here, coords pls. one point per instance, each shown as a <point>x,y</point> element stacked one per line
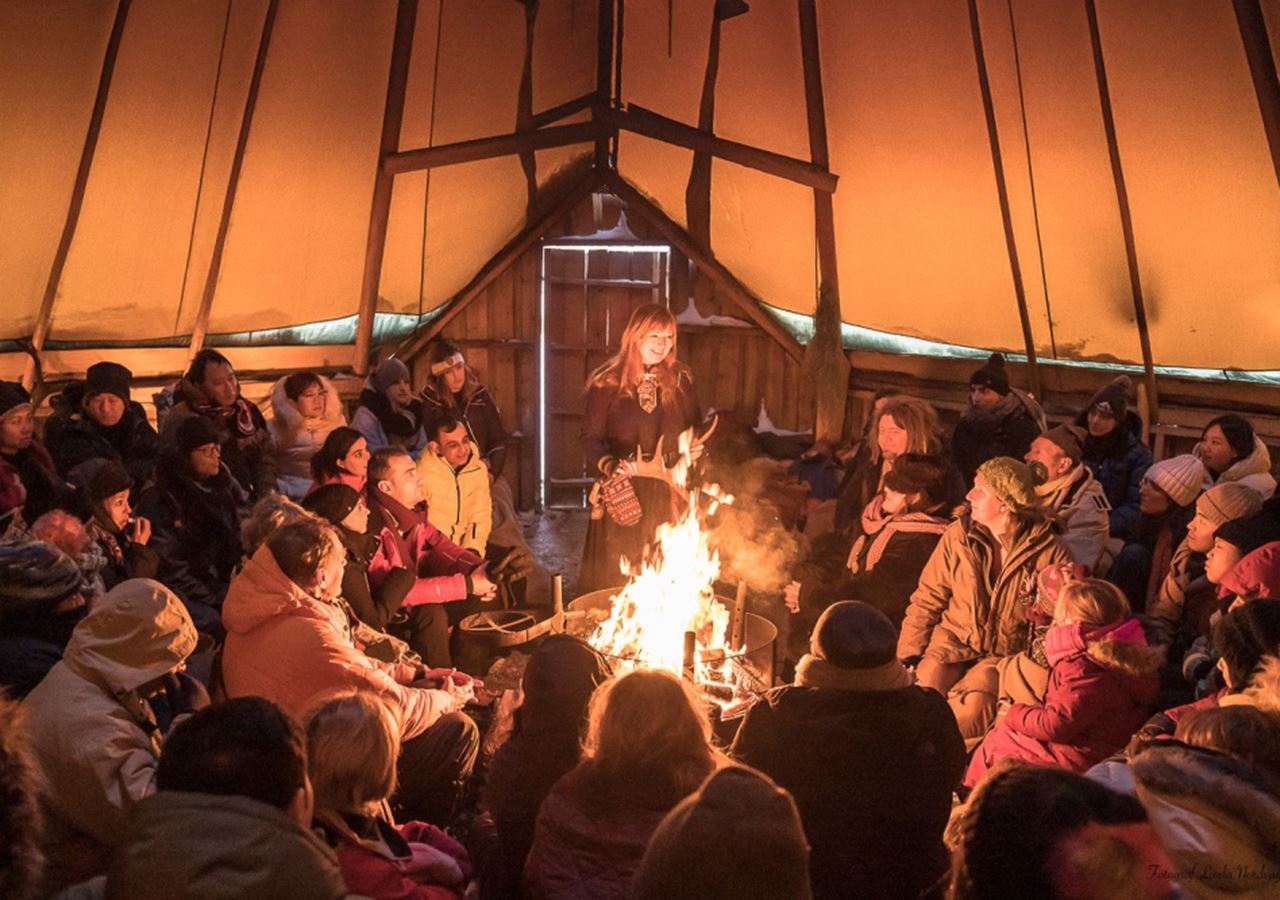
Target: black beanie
<point>992,375</point>
<point>919,473</point>
<point>854,635</point>
<point>12,394</point>
<point>194,432</point>
<point>332,502</point>
<point>1249,534</point>
<point>34,575</point>
<point>107,480</point>
<point>108,378</point>
<point>1114,398</point>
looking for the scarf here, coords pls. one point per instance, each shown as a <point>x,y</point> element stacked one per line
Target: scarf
<point>106,539</point>
<point>403,520</point>
<point>815,672</point>
<point>237,418</point>
<point>401,424</point>
<point>991,421</point>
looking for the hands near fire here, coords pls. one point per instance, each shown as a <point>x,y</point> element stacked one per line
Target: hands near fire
<point>791,597</point>
<point>482,585</point>
<point>459,685</point>
<point>655,466</point>
<point>515,565</point>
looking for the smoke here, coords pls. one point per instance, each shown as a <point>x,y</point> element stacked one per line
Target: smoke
<point>754,534</point>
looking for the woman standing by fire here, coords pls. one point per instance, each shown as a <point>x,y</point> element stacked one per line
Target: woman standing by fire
<point>637,404</point>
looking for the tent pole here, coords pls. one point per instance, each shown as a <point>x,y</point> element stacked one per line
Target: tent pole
<point>676,236</point>
<point>201,325</point>
<point>697,193</point>
<point>604,79</point>
<point>500,263</point>
<point>1257,47</point>
<point>1126,217</point>
<point>1002,191</point>
<point>825,357</point>
<point>380,209</point>
<point>44,318</point>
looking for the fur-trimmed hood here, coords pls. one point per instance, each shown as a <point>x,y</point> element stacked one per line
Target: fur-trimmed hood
<point>1122,647</point>
<point>1253,471</point>
<point>1263,690</point>
<point>1206,807</point>
<point>287,422</point>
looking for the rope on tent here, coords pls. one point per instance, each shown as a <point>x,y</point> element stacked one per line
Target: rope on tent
<point>1031,178</point>
<point>204,161</point>
<point>431,142</point>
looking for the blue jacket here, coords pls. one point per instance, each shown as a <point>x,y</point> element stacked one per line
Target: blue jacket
<point>1119,461</point>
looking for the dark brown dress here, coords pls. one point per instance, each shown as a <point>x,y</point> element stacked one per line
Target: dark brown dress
<point>613,425</point>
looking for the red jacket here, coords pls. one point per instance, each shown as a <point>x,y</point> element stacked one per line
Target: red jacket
<point>1102,682</point>
<point>414,861</point>
<point>413,543</point>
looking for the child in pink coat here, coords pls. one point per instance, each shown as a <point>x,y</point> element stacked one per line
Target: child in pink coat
<point>1102,681</point>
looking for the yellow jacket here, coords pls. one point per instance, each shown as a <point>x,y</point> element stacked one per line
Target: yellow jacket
<point>458,503</point>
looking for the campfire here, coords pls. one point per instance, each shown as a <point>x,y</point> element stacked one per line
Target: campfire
<point>668,616</point>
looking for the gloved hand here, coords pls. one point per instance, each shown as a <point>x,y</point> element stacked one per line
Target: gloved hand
<point>515,564</point>
<point>184,694</point>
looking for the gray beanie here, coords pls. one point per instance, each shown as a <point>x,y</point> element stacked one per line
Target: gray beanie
<point>389,371</point>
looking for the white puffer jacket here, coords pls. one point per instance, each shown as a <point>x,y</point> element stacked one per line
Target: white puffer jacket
<point>295,440</point>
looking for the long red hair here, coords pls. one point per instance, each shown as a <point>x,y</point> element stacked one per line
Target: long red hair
<point>626,367</point>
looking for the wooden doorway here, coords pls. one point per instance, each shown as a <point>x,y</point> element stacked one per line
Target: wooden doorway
<point>587,293</point>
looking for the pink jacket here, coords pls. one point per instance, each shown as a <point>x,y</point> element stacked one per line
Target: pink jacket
<point>287,646</point>
<point>441,565</point>
<point>1102,682</point>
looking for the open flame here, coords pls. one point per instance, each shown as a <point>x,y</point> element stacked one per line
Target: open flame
<point>672,591</point>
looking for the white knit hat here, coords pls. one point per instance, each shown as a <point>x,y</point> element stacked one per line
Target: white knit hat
<point>1181,477</point>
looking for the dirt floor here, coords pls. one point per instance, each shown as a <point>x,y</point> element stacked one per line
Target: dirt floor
<point>556,538</point>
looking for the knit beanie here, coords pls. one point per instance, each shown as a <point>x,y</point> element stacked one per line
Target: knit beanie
<point>195,431</point>
<point>389,371</point>
<point>1245,635</point>
<point>739,835</point>
<point>854,635</point>
<point>1114,398</point>
<point>992,375</point>
<point>333,502</point>
<point>1247,535</point>
<point>108,378</point>
<point>1257,575</point>
<point>1181,477</point>
<point>1069,438</point>
<point>107,480</point>
<point>12,395</point>
<point>1224,502</point>
<point>34,575</point>
<point>1011,480</point>
<point>919,473</point>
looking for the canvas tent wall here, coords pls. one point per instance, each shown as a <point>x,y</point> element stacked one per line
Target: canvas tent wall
<point>918,215</point>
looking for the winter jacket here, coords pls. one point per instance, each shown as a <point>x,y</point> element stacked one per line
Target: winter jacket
<point>195,531</point>
<point>242,435</point>
<point>407,540</point>
<point>479,413</point>
<point>29,482</point>
<point>1079,510</point>
<point>294,440</point>
<point>125,559</point>
<point>74,438</point>
<point>1008,431</point>
<point>1217,816</point>
<point>213,847</point>
<point>583,847</point>
<point>287,646</point>
<point>94,739</point>
<point>1254,471</point>
<point>871,772</point>
<point>1102,682</point>
<point>374,607</point>
<point>458,503</point>
<point>1119,461</point>
<point>413,861</point>
<point>1180,611</point>
<point>614,424</point>
<point>964,609</point>
<point>382,427</point>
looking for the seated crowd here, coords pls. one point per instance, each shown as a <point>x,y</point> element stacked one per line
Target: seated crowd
<point>1022,660</point>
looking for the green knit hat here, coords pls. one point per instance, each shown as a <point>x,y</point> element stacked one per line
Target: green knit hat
<point>1012,481</point>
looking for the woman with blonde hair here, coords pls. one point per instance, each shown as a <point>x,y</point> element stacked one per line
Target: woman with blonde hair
<point>637,404</point>
<point>1102,681</point>
<point>352,745</point>
<point>648,746</point>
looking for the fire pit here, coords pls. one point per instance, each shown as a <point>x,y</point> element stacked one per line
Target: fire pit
<point>727,676</point>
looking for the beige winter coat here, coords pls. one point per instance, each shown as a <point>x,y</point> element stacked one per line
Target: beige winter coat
<point>1078,507</point>
<point>93,738</point>
<point>294,439</point>
<point>965,608</point>
<point>1254,471</point>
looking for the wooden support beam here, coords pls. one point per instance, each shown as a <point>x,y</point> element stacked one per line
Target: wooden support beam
<point>500,263</point>
<point>1262,64</point>
<point>641,121</point>
<point>815,103</point>
<point>380,208</point>
<point>524,111</point>
<point>1126,217</point>
<point>604,79</point>
<point>563,110</point>
<point>697,193</point>
<point>44,317</point>
<point>678,238</point>
<point>490,147</point>
<point>201,326</point>
<point>1002,192</point>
